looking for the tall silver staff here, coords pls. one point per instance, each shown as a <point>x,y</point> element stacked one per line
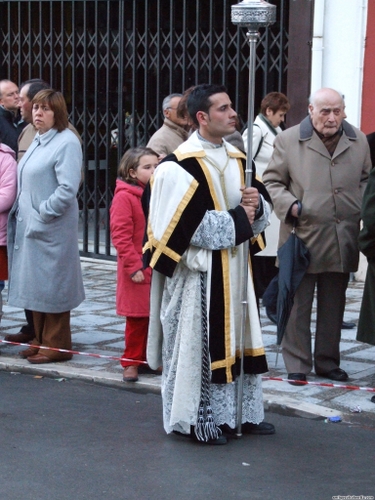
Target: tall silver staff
<point>251,14</point>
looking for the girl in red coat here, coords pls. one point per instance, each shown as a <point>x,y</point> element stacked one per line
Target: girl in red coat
<point>127,231</point>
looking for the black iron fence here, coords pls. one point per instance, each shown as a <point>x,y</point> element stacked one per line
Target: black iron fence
<point>116,60</point>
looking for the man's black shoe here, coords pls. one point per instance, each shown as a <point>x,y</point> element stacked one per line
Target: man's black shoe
<point>336,374</point>
<point>262,429</point>
<point>347,326</point>
<point>296,378</point>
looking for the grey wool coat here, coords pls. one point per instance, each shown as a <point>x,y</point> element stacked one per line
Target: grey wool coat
<point>44,265</point>
<point>330,190</point>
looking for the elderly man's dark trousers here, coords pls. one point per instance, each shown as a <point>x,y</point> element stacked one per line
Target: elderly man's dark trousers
<point>296,345</point>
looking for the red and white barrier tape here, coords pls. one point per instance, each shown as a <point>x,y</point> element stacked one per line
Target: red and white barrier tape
<point>117,358</point>
<point>91,355</point>
<point>323,384</point>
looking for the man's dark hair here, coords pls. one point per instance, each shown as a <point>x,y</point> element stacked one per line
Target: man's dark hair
<point>199,99</point>
<point>36,85</point>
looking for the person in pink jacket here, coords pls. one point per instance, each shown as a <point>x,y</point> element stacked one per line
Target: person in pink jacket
<point>8,191</point>
<point>127,224</point>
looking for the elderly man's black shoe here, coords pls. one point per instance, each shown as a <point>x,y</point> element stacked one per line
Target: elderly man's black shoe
<point>295,377</point>
<point>336,374</point>
<point>346,325</point>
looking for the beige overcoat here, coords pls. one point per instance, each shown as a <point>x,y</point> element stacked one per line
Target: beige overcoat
<point>330,190</point>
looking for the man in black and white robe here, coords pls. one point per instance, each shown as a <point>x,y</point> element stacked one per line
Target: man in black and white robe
<point>199,216</point>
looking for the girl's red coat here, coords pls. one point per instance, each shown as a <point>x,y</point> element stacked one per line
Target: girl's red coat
<point>127,223</point>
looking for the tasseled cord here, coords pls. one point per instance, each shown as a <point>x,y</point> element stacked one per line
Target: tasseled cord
<point>205,429</point>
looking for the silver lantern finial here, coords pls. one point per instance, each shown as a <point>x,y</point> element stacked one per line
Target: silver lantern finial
<point>257,13</point>
<point>251,14</point>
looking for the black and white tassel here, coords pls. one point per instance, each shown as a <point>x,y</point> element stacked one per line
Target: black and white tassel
<point>205,428</point>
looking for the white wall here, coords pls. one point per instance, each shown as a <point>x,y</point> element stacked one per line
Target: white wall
<point>338,48</point>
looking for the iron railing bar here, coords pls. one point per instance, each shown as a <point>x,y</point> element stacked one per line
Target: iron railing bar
<point>281,61</point>
<point>266,62</point>
<point>224,54</point>
<point>184,46</point>
<point>64,71</point>
<point>96,135</point>
<point>197,38</point>
<point>158,59</point>
<point>134,74</point>
<point>171,51</point>
<point>210,44</point>
<point>73,59</point>
<point>50,57</point>
<point>30,51</point>
<point>146,96</point>
<point>85,137</point>
<point>108,134</point>
<point>238,68</point>
<point>19,62</point>
<point>40,24</point>
<point>120,82</point>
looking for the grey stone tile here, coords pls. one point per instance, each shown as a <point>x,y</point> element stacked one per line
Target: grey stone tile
<point>119,345</point>
<point>366,353</point>
<point>364,374</point>
<point>94,320</point>
<point>346,346</point>
<point>93,337</point>
<point>353,367</point>
<point>359,398</point>
<point>119,328</point>
<point>271,360</point>
<point>92,307</point>
<point>86,361</point>
<point>268,339</point>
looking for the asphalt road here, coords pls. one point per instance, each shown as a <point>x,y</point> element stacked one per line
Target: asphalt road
<point>67,440</point>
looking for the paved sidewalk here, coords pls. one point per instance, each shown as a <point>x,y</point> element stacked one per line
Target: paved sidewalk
<point>97,330</point>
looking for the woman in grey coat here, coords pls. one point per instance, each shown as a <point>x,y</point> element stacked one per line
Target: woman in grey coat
<point>44,266</point>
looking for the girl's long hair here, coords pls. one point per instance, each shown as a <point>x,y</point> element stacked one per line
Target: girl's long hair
<point>130,161</point>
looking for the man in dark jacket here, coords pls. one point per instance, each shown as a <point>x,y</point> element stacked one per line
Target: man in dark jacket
<point>371,143</point>
<point>11,124</point>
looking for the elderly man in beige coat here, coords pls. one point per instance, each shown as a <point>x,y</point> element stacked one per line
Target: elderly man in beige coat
<point>174,130</point>
<point>324,163</point>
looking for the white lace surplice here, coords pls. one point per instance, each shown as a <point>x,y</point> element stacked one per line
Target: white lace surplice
<point>182,360</point>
